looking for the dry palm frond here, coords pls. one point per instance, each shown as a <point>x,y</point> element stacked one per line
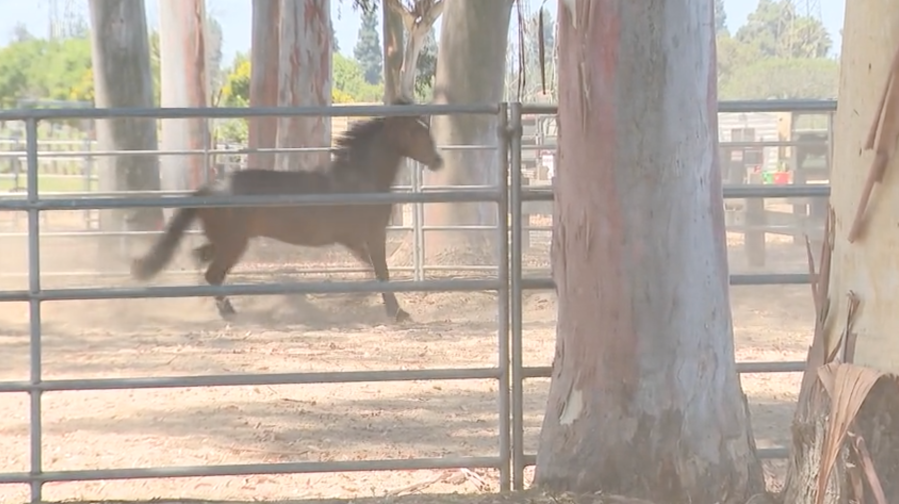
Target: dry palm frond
<point>848,386</point>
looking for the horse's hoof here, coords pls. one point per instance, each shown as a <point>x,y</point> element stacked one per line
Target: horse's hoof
<point>402,316</point>
<point>226,311</point>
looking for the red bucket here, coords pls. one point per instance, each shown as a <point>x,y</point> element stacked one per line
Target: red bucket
<point>782,178</point>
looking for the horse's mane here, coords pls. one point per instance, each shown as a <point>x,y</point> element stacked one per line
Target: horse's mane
<point>358,135</point>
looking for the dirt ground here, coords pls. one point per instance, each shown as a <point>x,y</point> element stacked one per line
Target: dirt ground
<point>230,425</point>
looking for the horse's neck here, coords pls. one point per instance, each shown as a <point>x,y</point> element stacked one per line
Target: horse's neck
<point>387,163</point>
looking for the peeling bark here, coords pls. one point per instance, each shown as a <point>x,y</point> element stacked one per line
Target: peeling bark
<point>263,131</point>
<point>876,424</point>
<point>304,79</point>
<point>470,69</point>
<point>120,49</point>
<point>645,399</point>
<point>185,83</point>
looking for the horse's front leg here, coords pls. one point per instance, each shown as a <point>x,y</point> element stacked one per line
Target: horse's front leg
<point>225,256</point>
<point>377,251</point>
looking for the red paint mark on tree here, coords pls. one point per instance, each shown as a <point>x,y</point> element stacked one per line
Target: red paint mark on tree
<point>588,113</point>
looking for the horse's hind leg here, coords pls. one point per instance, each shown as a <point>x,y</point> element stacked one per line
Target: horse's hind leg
<point>224,258</point>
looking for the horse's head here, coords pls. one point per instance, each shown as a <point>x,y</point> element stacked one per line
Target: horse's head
<point>411,136</point>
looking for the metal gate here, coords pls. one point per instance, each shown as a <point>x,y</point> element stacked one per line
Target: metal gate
<point>509,284</point>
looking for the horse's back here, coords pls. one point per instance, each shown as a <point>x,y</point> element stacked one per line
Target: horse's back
<point>258,181</point>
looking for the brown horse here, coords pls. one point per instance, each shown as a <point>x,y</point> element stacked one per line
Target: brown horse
<point>366,159</point>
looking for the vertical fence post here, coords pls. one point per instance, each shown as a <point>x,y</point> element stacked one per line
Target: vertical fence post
<point>515,133</point>
<point>526,219</point>
<point>756,222</point>
<point>505,480</point>
<point>86,175</point>
<point>418,216</point>
<point>16,166</point>
<point>16,169</point>
<point>34,307</point>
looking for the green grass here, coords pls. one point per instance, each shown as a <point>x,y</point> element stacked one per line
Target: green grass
<point>47,183</point>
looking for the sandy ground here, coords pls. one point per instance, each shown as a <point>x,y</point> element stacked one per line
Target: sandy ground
<point>111,429</point>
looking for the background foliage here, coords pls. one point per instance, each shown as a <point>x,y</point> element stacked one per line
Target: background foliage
<point>778,53</point>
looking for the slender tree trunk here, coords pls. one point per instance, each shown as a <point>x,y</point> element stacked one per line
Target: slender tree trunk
<point>417,29</point>
<point>120,47</point>
<point>392,26</point>
<point>645,399</point>
<point>185,83</point>
<point>472,49</point>
<point>304,79</point>
<point>263,131</point>
<point>868,268</point>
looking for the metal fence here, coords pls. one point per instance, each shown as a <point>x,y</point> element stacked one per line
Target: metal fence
<point>232,157</point>
<point>509,284</point>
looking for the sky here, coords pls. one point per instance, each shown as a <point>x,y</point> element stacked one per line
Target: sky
<point>235,15</point>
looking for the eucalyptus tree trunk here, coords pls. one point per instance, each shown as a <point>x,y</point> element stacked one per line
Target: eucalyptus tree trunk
<point>263,131</point>
<point>185,83</point>
<point>472,56</point>
<point>645,399</point>
<point>120,54</point>
<point>304,79</point>
<point>392,27</point>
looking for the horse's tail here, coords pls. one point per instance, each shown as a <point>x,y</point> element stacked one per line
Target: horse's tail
<point>161,253</point>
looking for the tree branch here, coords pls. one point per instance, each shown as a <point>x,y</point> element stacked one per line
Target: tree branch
<point>404,12</point>
<point>417,29</point>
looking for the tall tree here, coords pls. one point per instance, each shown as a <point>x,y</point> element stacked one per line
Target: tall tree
<point>185,82</point>
<point>213,43</point>
<point>335,44</point>
<point>426,67</point>
<point>392,27</point>
<point>783,78</point>
<point>368,48</point>
<point>20,33</point>
<point>853,295</point>
<point>526,70</point>
<point>720,17</point>
<point>645,399</point>
<point>304,79</point>
<point>779,31</point>
<point>473,40</point>
<point>418,17</point>
<point>122,79</point>
<point>264,54</point>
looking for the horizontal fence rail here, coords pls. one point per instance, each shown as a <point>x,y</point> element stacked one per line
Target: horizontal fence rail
<point>509,281</point>
<point>727,106</point>
<point>246,201</point>
<point>247,380</point>
<point>247,112</point>
<point>245,469</point>
<point>210,152</point>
